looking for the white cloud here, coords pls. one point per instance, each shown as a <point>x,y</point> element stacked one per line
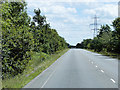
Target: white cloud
<point>54,10</point>
<point>107,10</point>
<point>57,9</point>
<point>69,20</point>
<point>73,0</point>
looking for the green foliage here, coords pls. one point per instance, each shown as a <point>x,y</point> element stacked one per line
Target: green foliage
<point>46,39</point>
<point>21,37</point>
<point>16,40</point>
<point>116,34</point>
<point>38,63</point>
<point>107,40</point>
<point>116,25</point>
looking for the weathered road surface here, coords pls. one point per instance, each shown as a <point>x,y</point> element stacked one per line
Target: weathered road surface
<point>79,68</point>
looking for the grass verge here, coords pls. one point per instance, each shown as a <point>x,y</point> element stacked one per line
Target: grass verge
<point>33,69</point>
<point>113,55</point>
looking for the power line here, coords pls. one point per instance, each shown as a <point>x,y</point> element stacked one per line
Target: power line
<point>95,24</point>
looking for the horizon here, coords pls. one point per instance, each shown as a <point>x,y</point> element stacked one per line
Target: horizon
<point>72,19</point>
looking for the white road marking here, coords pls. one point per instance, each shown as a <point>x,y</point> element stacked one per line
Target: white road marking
<point>41,74</point>
<point>96,66</point>
<point>92,62</point>
<point>102,71</point>
<point>48,79</point>
<point>112,80</point>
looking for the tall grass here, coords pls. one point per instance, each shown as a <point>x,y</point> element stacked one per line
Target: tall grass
<point>38,63</point>
<point>110,54</point>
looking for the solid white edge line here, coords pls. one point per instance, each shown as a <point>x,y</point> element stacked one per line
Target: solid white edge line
<point>47,79</point>
<point>28,84</point>
<point>112,80</point>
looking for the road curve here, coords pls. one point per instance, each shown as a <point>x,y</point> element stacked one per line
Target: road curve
<point>79,68</point>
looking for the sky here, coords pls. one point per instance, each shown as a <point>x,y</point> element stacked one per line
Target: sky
<point>72,18</point>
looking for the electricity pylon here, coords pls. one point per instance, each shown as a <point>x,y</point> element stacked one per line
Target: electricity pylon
<point>95,24</point>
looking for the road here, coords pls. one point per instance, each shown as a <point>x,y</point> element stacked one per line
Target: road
<point>79,68</point>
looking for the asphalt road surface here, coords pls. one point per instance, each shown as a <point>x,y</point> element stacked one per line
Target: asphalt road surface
<point>79,68</point>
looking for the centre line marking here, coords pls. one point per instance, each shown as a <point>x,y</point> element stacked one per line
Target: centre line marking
<point>102,71</point>
<point>112,80</point>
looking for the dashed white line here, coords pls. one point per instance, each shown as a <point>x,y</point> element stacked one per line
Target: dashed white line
<point>102,71</point>
<point>48,79</point>
<point>96,66</point>
<point>112,80</point>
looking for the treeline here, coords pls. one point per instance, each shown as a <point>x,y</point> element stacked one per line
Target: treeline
<point>21,37</point>
<point>107,40</point>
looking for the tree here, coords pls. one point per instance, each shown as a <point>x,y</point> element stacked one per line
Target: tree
<point>104,29</point>
<point>116,34</point>
<point>21,37</point>
<point>16,38</point>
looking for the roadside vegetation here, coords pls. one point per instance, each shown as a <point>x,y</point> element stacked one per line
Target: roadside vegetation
<point>107,42</point>
<point>26,44</point>
<point>33,69</point>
